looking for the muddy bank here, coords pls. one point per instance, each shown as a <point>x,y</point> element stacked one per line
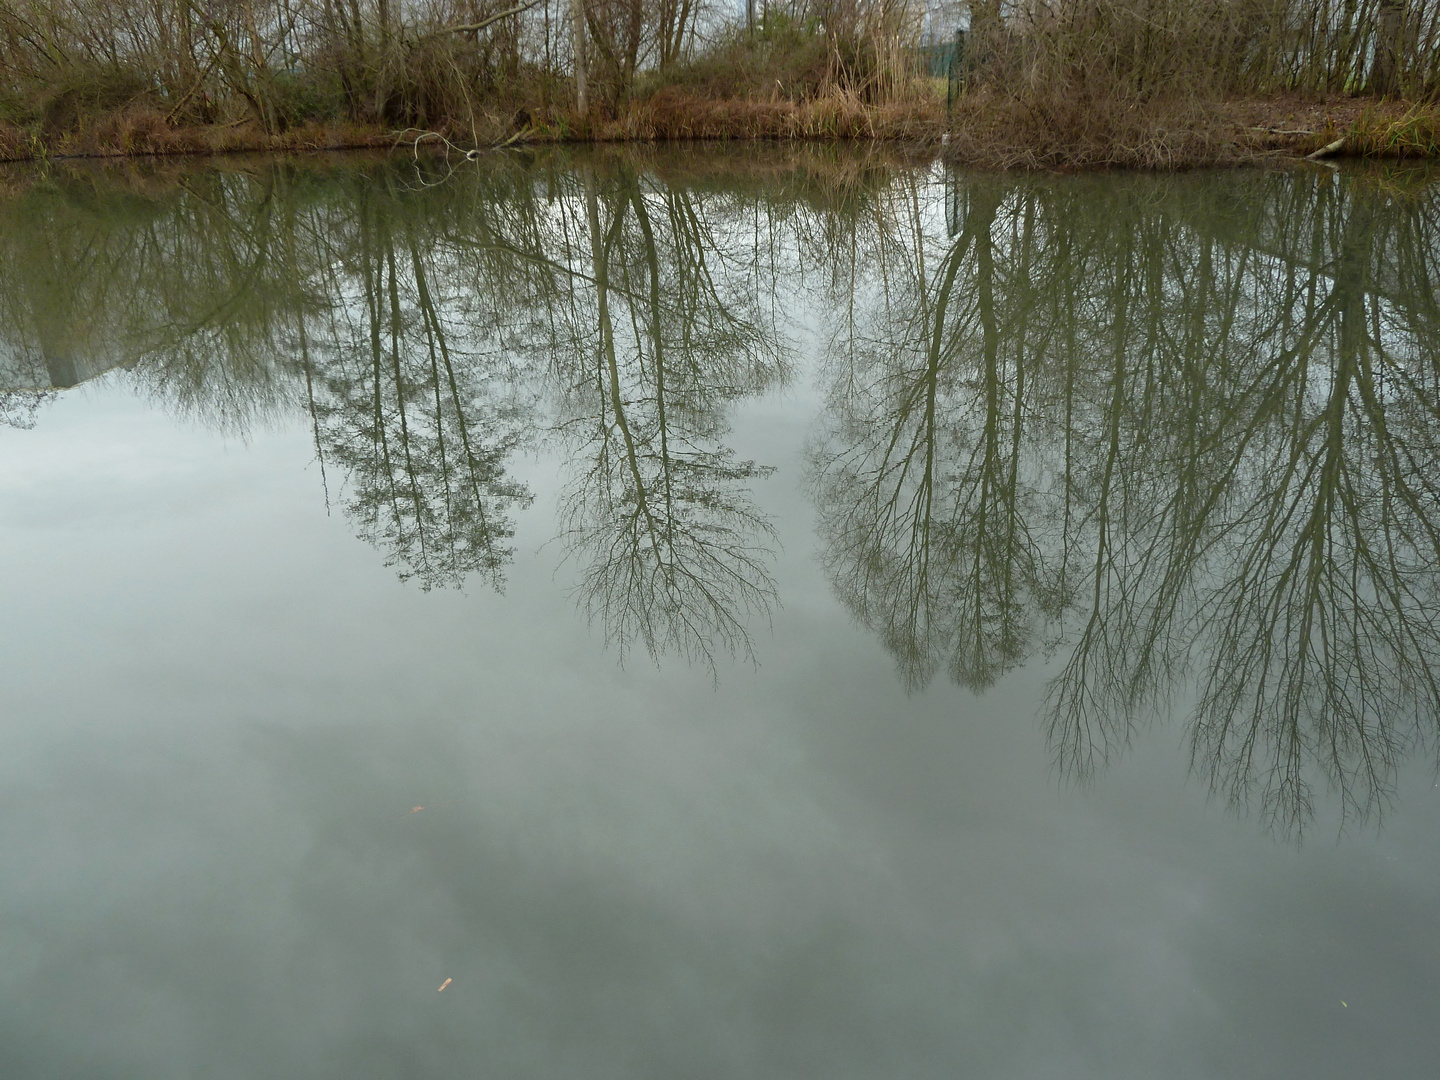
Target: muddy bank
<point>985,130</point>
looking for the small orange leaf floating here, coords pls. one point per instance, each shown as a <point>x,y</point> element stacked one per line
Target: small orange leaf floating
<point>417,809</point>
<point>446,983</point>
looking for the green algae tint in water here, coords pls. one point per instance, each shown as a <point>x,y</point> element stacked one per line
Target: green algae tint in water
<point>730,613</point>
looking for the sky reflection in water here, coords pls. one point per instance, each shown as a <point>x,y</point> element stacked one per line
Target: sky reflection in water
<point>903,500</point>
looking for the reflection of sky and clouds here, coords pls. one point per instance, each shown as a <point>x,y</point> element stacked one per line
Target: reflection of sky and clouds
<point>221,709</point>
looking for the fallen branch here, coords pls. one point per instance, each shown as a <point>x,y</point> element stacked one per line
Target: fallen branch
<point>469,155</point>
<point>1327,150</point>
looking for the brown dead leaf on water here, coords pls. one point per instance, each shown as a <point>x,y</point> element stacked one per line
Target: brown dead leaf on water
<point>446,983</point>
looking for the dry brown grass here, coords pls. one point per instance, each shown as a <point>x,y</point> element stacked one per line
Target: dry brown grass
<point>995,130</point>
<point>671,114</point>
<point>987,129</point>
<point>140,132</point>
<point>839,114</point>
<point>1291,125</point>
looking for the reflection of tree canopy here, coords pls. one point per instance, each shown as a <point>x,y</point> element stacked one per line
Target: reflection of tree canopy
<point>1180,432</point>
<point>411,403</point>
<point>934,553</point>
<point>664,335</point>
<point>1168,435</point>
<point>432,325</point>
<point>236,297</point>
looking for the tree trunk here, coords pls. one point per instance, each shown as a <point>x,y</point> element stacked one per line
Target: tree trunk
<point>1389,48</point>
<point>577,11</point>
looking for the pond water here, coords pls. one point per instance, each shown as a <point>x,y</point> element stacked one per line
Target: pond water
<point>745,612</point>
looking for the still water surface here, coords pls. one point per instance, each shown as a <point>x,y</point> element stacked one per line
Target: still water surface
<point>749,613</point>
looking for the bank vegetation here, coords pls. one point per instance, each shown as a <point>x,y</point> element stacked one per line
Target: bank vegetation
<point>1040,83</point>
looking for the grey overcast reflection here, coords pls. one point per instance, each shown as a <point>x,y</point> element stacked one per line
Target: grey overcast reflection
<point>731,612</point>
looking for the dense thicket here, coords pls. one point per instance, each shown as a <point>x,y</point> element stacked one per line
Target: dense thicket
<point>475,68</point>
<point>449,65</point>
<point>1155,82</point>
<point>1202,46</point>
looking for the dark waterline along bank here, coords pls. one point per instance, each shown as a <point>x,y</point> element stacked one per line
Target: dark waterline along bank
<point>986,132</point>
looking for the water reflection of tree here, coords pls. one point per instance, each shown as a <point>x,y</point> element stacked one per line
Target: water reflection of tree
<point>431,326</point>
<point>673,551</point>
<point>1183,439</point>
<point>235,297</point>
<point>92,279</point>
<point>419,415</point>
<point>936,552</point>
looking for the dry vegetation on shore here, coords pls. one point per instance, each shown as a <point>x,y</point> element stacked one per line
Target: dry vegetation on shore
<point>1029,83</point>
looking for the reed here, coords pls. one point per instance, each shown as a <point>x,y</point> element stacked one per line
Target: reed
<point>1413,133</point>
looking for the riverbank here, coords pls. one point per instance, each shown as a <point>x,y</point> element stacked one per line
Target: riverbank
<point>1000,132</point>
<point>983,129</point>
